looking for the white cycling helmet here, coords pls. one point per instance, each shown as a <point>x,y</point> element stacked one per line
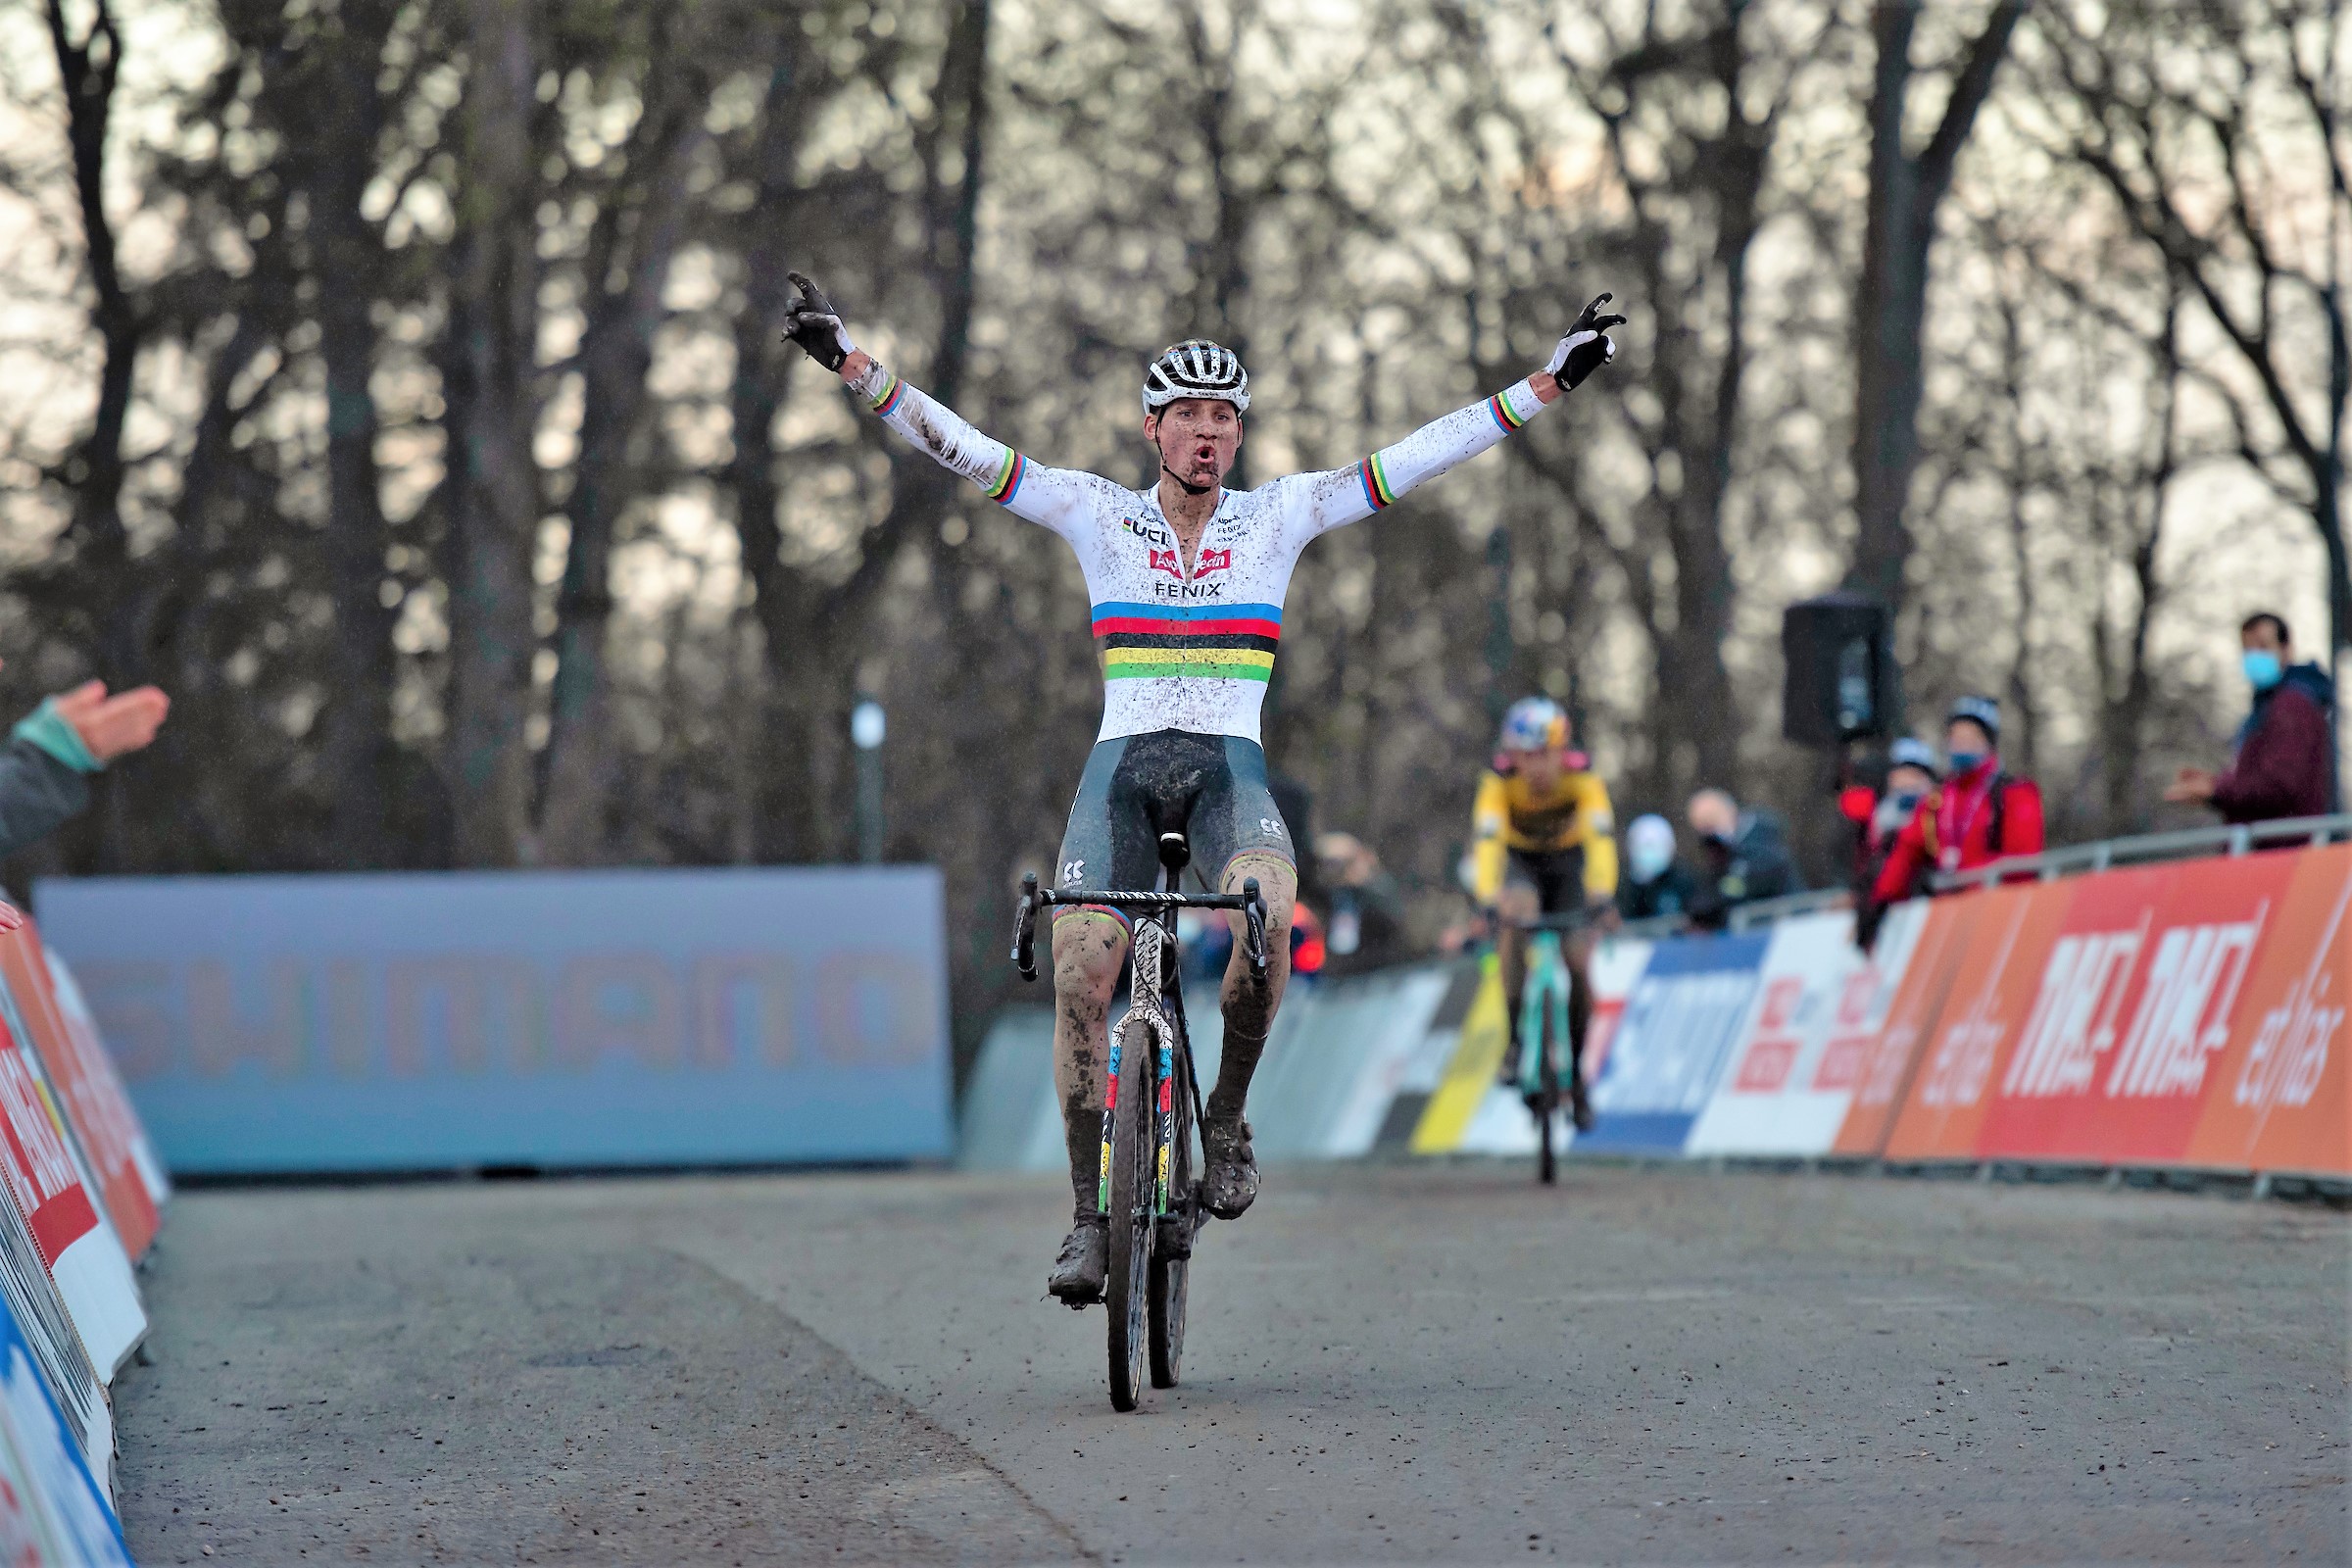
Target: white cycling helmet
<point>1195,368</point>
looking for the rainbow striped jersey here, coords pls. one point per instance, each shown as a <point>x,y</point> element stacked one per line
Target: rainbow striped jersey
<point>1190,650</point>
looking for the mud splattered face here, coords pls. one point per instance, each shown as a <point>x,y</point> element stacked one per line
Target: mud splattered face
<point>1198,439</point>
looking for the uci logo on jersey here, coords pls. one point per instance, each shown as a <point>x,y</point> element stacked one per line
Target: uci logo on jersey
<point>1148,531</point>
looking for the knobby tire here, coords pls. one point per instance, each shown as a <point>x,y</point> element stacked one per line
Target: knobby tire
<point>1169,1274</point>
<point>1127,1291</point>
<point>1548,1098</point>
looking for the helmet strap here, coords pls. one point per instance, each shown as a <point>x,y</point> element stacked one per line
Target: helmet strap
<point>1186,485</point>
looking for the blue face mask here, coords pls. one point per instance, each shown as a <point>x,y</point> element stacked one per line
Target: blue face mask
<point>1906,801</point>
<point>1964,762</point>
<point>2262,668</point>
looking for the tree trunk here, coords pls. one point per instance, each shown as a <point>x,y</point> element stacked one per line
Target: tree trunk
<point>357,716</point>
<point>494,480</point>
<point>95,470</point>
<point>1891,304</point>
<point>616,350</point>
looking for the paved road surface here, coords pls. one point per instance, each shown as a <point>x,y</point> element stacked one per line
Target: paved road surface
<point>1388,1363</point>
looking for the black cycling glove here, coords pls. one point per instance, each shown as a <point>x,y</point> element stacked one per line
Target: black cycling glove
<point>1586,347</point>
<point>814,325</point>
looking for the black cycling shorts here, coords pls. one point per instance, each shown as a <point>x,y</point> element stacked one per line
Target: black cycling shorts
<point>1210,788</point>
<point>1556,875</point>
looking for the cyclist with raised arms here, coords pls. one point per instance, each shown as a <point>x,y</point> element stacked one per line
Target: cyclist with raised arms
<point>1542,843</point>
<point>1187,581</point>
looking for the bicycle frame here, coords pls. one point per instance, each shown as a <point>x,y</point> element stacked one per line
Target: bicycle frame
<point>1547,985</point>
<point>1150,951</point>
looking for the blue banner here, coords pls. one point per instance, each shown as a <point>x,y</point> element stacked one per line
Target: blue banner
<point>51,1510</point>
<point>430,1020</point>
<point>1687,1012</point>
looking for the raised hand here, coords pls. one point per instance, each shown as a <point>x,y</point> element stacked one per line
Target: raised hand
<point>113,726</point>
<point>1586,346</point>
<point>814,325</point>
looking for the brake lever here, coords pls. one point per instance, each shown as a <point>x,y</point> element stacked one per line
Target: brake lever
<point>1024,929</point>
<point>1253,911</point>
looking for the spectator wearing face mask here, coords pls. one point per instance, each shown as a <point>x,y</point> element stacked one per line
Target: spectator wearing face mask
<point>1656,883</point>
<point>1912,774</point>
<point>2283,762</point>
<point>1743,858</point>
<point>1977,815</point>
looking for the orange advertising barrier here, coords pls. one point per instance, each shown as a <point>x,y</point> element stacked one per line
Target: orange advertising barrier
<point>1880,1067</point>
<point>2183,1014</point>
<point>95,1105</point>
<point>2279,1097</point>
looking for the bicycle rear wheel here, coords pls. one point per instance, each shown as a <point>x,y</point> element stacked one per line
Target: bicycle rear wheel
<point>1127,1291</point>
<point>1548,1098</point>
<point>1171,1266</point>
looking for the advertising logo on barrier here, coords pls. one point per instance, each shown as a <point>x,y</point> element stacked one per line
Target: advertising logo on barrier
<point>2135,998</point>
<point>43,1174</point>
<point>56,1345</point>
<point>81,1026</point>
<point>2276,1095</point>
<point>272,1023</point>
<point>53,1508</point>
<point>1993,994</point>
<point>1792,1075</point>
<point>1875,1065</point>
<point>1617,965</point>
<point>1688,1009</point>
<point>88,1092</point>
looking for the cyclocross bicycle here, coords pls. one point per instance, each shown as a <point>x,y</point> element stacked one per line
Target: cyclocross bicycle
<point>1147,1194</point>
<point>1545,1038</point>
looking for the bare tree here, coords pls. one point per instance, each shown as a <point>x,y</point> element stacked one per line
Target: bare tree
<point>2216,130</point>
<point>1906,189</point>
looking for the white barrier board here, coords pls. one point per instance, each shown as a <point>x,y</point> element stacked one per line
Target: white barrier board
<point>1793,1074</point>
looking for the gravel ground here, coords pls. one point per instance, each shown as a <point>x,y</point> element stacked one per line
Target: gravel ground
<point>1385,1363</point>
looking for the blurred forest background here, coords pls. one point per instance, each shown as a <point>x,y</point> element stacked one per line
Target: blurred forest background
<point>398,383</point>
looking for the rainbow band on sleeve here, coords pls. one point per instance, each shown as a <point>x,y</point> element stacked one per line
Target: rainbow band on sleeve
<point>1500,406</point>
<point>1376,483</point>
<point>886,401</point>
<point>1208,642</point>
<point>1008,477</point>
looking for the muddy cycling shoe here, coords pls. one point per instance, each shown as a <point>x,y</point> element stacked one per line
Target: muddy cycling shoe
<point>1229,1184</point>
<point>1580,1106</point>
<point>1083,1263</point>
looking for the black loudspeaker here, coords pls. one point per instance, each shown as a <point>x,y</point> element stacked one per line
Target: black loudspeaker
<point>1841,681</point>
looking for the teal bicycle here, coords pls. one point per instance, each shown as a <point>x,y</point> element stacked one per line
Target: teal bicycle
<point>1548,1070</point>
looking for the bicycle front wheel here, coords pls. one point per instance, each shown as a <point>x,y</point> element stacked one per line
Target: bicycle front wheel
<point>1127,1292</point>
<point>1171,1266</point>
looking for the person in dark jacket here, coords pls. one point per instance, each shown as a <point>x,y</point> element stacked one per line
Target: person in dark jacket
<point>46,765</point>
<point>1656,883</point>
<point>2284,762</point>
<point>1744,856</point>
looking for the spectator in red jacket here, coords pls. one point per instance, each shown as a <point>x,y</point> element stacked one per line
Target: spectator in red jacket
<point>1977,815</point>
<point>2284,756</point>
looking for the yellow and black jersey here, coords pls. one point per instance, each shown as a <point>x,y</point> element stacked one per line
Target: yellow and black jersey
<point>1511,815</point>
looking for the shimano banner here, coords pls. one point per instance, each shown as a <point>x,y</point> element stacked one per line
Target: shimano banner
<point>381,1022</point>
<point>1688,1009</point>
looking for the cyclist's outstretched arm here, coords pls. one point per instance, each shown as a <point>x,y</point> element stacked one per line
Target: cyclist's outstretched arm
<point>1048,495</point>
<point>1341,496</point>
